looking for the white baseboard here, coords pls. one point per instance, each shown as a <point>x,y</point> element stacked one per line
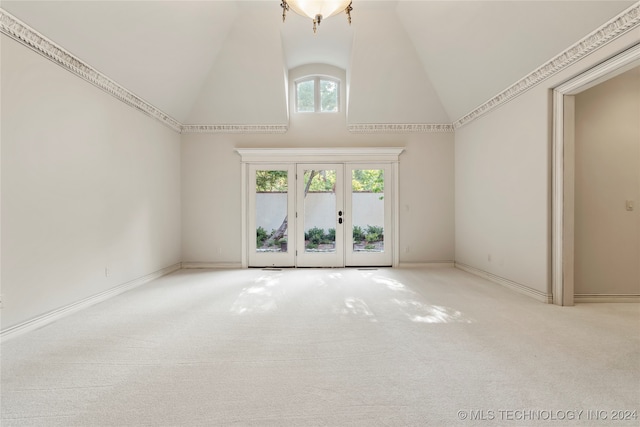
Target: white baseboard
<point>606,298</point>
<point>231,265</point>
<point>51,316</point>
<point>518,287</point>
<point>224,265</point>
<point>439,264</point>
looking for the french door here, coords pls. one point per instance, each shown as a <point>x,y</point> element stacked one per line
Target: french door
<point>368,225</point>
<point>320,214</point>
<point>271,207</point>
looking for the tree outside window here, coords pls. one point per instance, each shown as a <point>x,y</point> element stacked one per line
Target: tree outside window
<point>317,94</point>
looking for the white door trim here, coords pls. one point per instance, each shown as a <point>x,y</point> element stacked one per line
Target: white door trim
<point>319,155</point>
<point>562,175</point>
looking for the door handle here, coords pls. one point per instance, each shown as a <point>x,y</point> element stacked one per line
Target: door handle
<point>339,220</point>
<point>339,213</point>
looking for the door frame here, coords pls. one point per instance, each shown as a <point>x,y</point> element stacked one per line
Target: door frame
<point>563,170</point>
<point>389,155</point>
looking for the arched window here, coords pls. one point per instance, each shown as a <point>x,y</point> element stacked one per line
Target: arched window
<point>317,94</point>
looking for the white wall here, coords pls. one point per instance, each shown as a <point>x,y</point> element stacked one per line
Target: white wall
<point>211,189</point>
<point>368,209</point>
<point>272,208</point>
<point>88,184</point>
<point>502,182</point>
<point>607,150</point>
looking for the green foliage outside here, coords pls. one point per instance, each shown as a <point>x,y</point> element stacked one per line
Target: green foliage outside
<point>322,181</point>
<point>328,96</point>
<point>363,180</point>
<point>271,181</point>
<point>261,236</point>
<point>358,233</point>
<point>305,93</point>
<point>372,233</point>
<point>317,236</point>
<point>367,181</point>
<point>374,229</point>
<point>314,235</point>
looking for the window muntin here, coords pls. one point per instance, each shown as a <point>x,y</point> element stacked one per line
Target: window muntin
<point>317,94</point>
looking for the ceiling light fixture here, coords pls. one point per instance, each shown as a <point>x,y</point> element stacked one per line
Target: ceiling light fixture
<point>317,9</point>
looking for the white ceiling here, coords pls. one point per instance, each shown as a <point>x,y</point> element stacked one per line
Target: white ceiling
<point>169,52</point>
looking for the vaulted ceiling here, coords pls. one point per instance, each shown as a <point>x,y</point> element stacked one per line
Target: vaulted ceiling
<point>226,61</point>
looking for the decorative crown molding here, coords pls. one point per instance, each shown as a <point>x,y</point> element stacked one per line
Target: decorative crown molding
<point>616,27</point>
<point>234,128</point>
<point>24,34</point>
<point>29,37</point>
<point>399,128</point>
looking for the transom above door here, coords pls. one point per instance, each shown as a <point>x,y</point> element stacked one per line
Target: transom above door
<point>298,213</point>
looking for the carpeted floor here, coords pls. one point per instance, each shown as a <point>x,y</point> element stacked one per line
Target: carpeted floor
<point>326,347</point>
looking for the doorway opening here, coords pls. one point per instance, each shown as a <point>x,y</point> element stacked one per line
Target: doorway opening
<point>563,169</point>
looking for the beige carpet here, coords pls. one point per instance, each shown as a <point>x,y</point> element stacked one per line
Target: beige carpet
<point>325,347</point>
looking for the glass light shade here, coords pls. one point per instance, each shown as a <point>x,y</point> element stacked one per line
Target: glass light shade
<point>312,8</point>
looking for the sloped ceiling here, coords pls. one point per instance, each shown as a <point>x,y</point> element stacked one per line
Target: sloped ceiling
<point>144,46</point>
<point>246,82</point>
<point>472,50</point>
<point>388,83</point>
<point>225,61</point>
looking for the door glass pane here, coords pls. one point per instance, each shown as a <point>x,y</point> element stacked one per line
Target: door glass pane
<point>320,210</point>
<point>367,192</point>
<point>271,210</point>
